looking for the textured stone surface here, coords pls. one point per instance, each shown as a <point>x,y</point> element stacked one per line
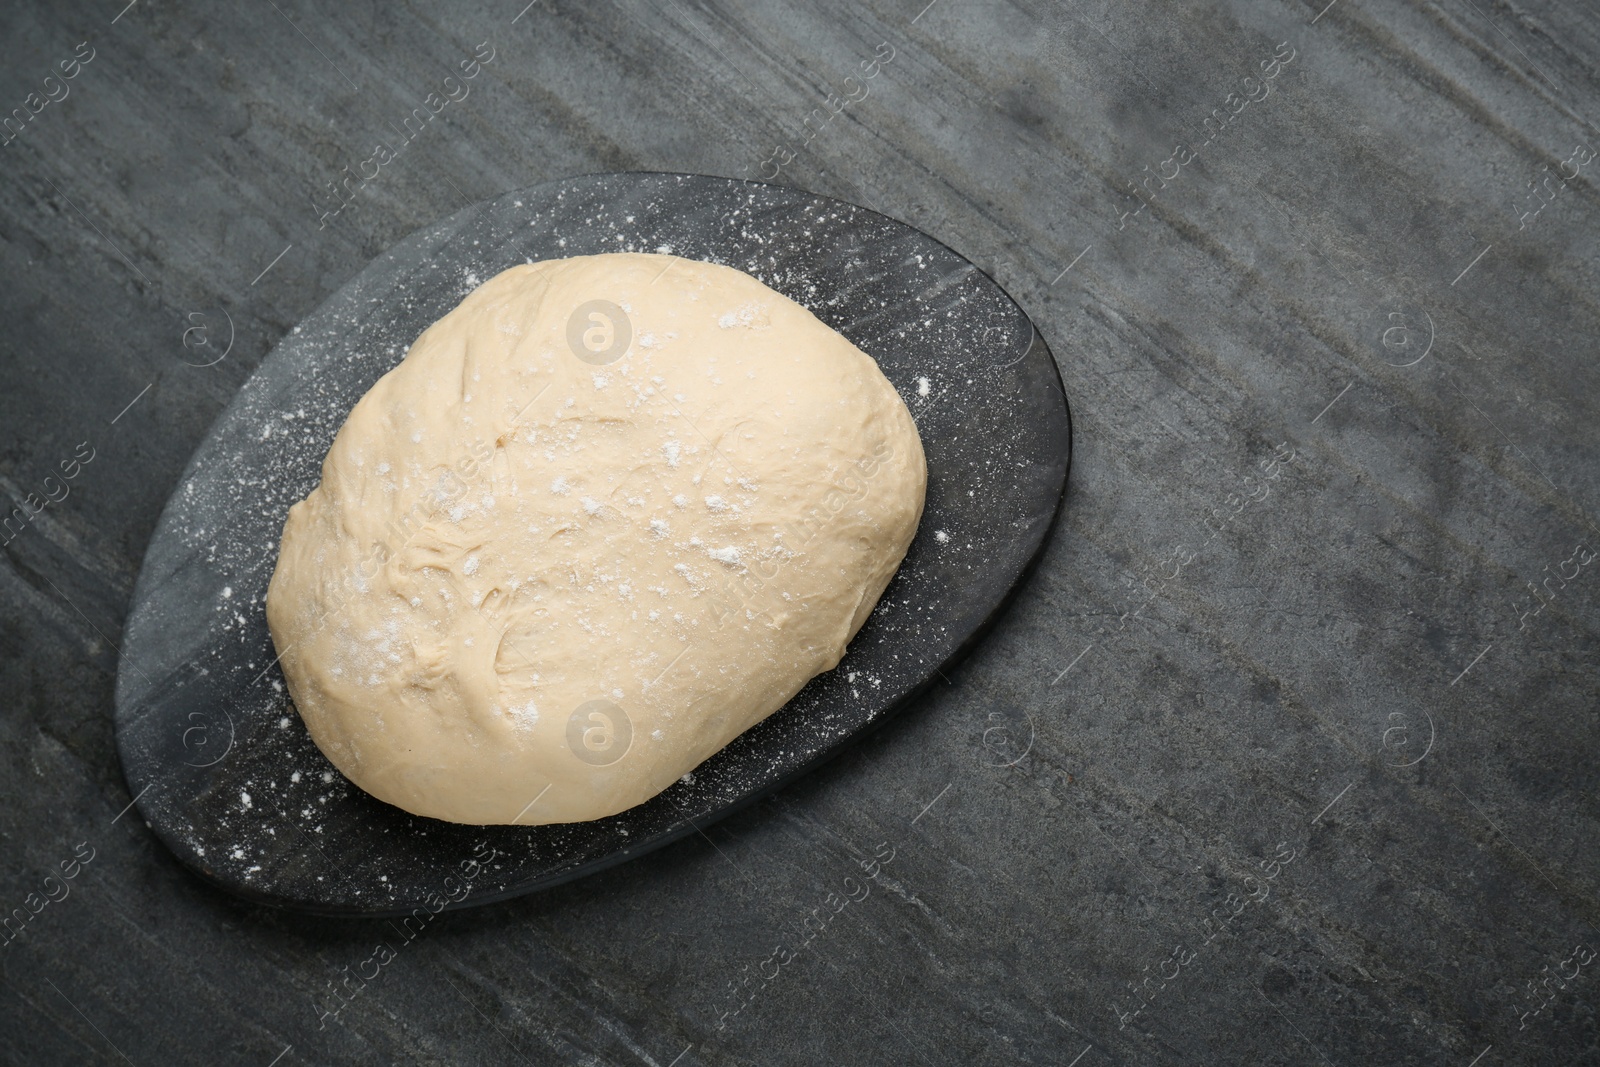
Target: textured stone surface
<point>1262,640</point>
<point>236,786</point>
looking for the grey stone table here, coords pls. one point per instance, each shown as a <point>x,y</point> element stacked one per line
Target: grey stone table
<point>1285,755</point>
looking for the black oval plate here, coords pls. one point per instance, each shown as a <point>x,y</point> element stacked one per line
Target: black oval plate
<point>219,763</point>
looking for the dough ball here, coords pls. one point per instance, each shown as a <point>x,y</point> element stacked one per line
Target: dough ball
<point>606,515</point>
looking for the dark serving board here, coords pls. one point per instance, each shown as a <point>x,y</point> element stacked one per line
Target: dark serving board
<point>219,763</point>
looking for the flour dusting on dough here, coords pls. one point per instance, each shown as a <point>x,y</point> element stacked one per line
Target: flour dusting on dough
<point>520,612</point>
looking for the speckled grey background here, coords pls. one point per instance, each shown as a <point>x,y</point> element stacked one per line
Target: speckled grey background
<point>1286,755</point>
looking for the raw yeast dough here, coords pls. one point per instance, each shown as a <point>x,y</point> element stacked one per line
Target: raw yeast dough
<point>606,515</point>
